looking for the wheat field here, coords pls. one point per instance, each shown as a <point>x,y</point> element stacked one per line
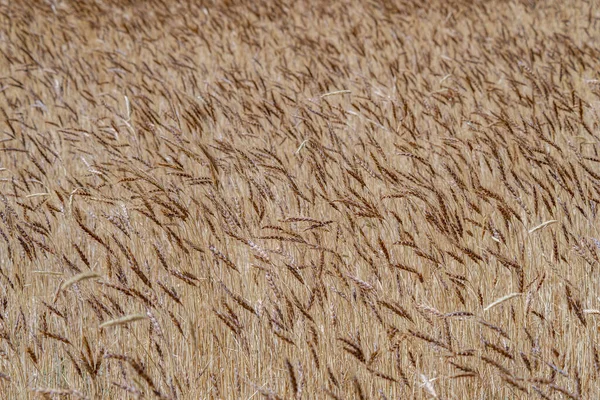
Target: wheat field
<point>304,200</point>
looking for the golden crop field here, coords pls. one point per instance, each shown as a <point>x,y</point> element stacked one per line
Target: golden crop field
<point>312,200</point>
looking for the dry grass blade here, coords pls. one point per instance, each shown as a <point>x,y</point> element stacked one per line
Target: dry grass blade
<point>542,225</point>
<point>334,93</point>
<point>123,320</point>
<point>501,300</point>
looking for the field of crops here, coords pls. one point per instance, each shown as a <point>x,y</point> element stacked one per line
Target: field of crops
<point>318,200</point>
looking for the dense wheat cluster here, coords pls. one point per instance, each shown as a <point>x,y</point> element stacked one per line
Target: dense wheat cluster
<point>349,200</point>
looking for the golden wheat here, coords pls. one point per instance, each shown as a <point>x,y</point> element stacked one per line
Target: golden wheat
<point>386,199</point>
